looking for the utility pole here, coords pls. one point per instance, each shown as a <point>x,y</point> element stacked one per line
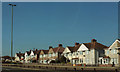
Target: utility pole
<point>12,32</point>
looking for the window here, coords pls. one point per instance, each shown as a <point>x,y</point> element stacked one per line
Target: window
<point>107,52</point>
<point>40,56</point>
<point>49,55</point>
<point>53,54</point>
<point>44,55</point>
<point>76,53</point>
<point>73,53</point>
<point>66,54</point>
<point>87,60</point>
<point>115,51</point>
<point>105,61</point>
<point>81,60</point>
<point>56,54</point>
<point>81,52</point>
<point>87,52</point>
<point>70,54</point>
<point>114,60</point>
<point>91,51</point>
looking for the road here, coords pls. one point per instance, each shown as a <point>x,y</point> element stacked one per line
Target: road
<point>18,69</point>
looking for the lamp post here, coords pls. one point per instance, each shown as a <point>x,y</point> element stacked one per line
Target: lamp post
<point>12,5</point>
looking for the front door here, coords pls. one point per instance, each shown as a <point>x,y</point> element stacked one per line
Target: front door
<point>100,61</point>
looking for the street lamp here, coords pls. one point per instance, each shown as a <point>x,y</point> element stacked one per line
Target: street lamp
<point>12,32</point>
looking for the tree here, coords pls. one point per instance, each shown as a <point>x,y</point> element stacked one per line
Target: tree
<point>62,59</point>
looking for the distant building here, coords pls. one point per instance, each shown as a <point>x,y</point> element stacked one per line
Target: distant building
<point>43,56</point>
<point>70,52</point>
<point>55,53</point>
<point>19,57</point>
<point>112,54</point>
<point>92,53</point>
<point>27,56</point>
<point>85,53</point>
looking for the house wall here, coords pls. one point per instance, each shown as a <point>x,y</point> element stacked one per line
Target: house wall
<point>16,58</point>
<point>112,52</point>
<point>32,54</point>
<point>52,55</point>
<point>67,53</point>
<point>88,56</point>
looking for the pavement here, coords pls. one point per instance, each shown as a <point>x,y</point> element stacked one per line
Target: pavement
<point>22,69</point>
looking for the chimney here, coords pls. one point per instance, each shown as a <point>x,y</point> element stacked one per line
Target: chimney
<point>36,50</point>
<point>50,47</point>
<point>60,45</point>
<point>93,41</point>
<point>76,44</point>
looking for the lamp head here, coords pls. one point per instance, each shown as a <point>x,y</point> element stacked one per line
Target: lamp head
<point>9,4</point>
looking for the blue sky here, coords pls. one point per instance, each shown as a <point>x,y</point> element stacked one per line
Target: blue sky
<point>40,25</point>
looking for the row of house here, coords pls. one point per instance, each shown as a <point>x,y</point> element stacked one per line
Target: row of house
<point>92,53</point>
<point>40,56</point>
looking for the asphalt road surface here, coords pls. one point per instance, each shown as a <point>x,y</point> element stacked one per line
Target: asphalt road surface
<point>11,69</point>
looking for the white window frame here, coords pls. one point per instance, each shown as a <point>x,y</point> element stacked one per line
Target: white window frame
<point>87,52</point>
<point>81,53</point>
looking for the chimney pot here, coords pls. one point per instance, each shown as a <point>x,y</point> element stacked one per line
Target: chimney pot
<point>60,45</point>
<point>50,47</point>
<point>76,43</point>
<point>93,40</point>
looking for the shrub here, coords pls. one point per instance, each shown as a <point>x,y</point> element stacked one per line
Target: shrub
<point>53,61</point>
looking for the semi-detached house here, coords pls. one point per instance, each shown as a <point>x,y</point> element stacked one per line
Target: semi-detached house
<point>55,53</point>
<point>112,54</point>
<point>43,56</point>
<point>19,57</point>
<point>85,53</point>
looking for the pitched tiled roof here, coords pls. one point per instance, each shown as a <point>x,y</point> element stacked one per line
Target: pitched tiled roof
<point>74,48</point>
<point>45,51</point>
<point>7,57</point>
<point>71,48</point>
<point>35,52</point>
<point>96,45</point>
<point>28,52</point>
<point>38,52</point>
<point>20,54</point>
<point>58,49</point>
